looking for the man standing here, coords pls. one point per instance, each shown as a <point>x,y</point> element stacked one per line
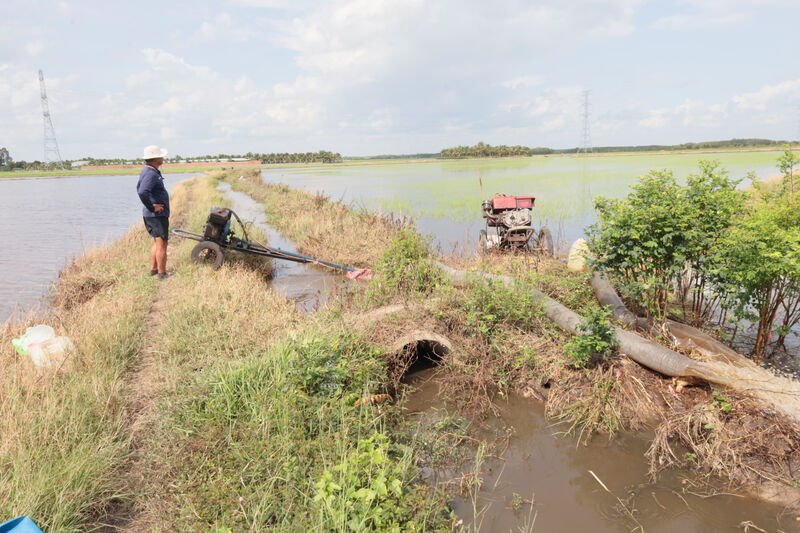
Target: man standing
<point>155,198</point>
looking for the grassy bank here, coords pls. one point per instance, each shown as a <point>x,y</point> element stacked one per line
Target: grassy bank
<point>203,402</point>
<point>320,227</point>
<point>502,345</point>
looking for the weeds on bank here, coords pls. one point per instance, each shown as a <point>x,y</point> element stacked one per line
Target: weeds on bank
<point>404,269</point>
<point>274,440</point>
<point>594,412</point>
<point>596,342</point>
<point>728,438</point>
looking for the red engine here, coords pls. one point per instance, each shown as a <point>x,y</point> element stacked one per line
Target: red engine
<point>502,203</point>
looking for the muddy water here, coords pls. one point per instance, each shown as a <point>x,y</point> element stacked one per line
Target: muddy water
<point>542,480</point>
<point>309,286</point>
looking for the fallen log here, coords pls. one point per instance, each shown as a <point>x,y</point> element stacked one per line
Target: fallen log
<point>780,394</point>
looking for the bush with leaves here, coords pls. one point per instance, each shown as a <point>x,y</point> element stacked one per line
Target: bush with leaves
<point>324,365</point>
<point>758,268</point>
<point>486,307</point>
<point>405,268</point>
<point>367,491</point>
<point>596,342</point>
<point>659,238</point>
<point>642,241</point>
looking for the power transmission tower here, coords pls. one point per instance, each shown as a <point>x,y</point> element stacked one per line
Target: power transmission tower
<point>51,153</point>
<point>586,145</point>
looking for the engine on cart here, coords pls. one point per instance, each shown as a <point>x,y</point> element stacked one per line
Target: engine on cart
<point>218,225</point>
<point>509,225</point>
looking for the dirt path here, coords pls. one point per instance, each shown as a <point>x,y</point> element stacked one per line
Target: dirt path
<point>146,381</point>
<point>144,384</point>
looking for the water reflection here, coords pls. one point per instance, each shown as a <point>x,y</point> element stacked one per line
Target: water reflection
<point>47,221</point>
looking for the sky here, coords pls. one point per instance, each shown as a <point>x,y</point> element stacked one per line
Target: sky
<point>367,77</point>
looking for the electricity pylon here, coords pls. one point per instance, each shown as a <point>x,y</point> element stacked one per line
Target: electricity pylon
<point>51,152</point>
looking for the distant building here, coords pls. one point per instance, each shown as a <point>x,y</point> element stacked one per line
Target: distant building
<point>75,165</point>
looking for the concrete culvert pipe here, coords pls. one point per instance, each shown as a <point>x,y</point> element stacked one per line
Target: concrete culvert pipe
<point>421,349</point>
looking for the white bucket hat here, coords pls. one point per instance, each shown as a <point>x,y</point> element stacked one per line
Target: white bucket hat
<point>153,152</point>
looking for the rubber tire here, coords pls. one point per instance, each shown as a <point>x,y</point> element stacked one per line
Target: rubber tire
<point>545,242</point>
<point>483,242</point>
<point>215,256</point>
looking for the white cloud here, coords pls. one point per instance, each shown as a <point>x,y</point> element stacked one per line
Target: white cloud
<point>786,94</point>
<point>222,26</point>
<point>274,4</point>
<point>704,14</point>
<point>522,82</point>
<point>771,105</point>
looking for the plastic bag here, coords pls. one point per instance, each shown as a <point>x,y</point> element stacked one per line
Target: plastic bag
<point>42,346</point>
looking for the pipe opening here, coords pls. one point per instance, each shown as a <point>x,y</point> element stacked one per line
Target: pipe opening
<point>422,355</point>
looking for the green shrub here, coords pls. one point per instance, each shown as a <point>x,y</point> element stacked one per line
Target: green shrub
<point>367,490</point>
<point>661,237</point>
<point>328,365</point>
<point>596,342</point>
<point>405,268</point>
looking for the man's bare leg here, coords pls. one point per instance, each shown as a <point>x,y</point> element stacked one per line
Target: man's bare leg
<point>161,255</point>
<point>153,262</point>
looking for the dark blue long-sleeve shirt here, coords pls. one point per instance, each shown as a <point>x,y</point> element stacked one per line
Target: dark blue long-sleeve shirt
<point>151,191</point>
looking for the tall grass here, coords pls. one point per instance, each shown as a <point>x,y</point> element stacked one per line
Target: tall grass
<point>319,226</point>
<point>241,430</point>
<point>63,431</point>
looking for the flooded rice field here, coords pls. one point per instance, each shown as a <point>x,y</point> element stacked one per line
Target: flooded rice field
<point>50,220</point>
<point>445,196</point>
<point>540,480</point>
<point>47,221</point>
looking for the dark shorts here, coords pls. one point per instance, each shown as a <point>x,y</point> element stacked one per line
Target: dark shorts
<point>157,227</point>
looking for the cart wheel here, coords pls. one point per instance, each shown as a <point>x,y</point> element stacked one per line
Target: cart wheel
<point>545,242</point>
<point>483,242</point>
<point>208,252</point>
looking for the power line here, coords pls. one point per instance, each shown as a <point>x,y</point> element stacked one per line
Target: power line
<point>51,152</point>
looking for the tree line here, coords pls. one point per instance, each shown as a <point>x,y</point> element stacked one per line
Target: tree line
<point>708,253</point>
<point>322,156</point>
<point>486,150</point>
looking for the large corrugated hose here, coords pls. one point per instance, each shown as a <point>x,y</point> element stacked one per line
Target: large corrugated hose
<point>780,394</point>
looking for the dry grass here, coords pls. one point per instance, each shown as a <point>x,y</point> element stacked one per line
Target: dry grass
<point>318,225</point>
<point>731,437</point>
<point>63,431</point>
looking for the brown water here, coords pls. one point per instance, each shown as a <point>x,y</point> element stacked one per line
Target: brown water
<point>309,286</point>
<point>541,481</point>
